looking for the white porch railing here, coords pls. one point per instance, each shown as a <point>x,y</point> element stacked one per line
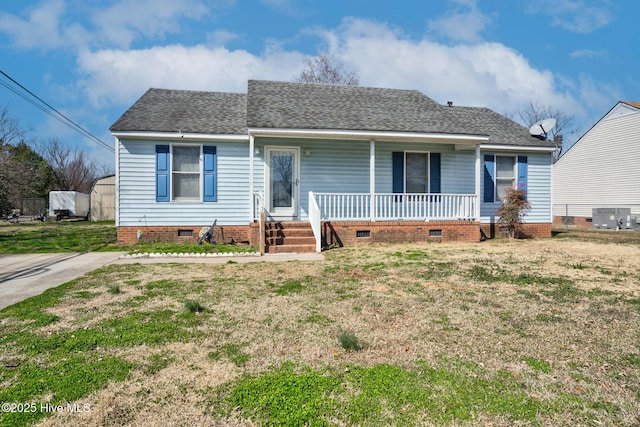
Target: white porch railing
<point>259,214</point>
<point>395,206</point>
<point>314,219</point>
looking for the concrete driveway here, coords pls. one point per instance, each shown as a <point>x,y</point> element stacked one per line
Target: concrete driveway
<point>23,276</point>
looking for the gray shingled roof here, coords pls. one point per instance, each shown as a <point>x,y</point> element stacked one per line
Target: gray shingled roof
<point>286,105</point>
<point>162,110</point>
<point>283,105</point>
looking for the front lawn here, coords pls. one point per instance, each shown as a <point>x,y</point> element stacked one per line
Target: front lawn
<point>502,333</point>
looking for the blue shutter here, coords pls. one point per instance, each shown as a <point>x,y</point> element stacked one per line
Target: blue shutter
<point>489,178</point>
<point>397,161</point>
<point>162,173</point>
<point>209,173</point>
<point>523,174</point>
<point>434,173</point>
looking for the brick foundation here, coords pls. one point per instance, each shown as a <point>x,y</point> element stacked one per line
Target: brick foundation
<point>494,231</point>
<point>576,221</point>
<point>226,234</point>
<point>340,233</point>
<point>346,233</point>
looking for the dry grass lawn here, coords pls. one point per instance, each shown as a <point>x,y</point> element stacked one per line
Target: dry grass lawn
<point>558,316</point>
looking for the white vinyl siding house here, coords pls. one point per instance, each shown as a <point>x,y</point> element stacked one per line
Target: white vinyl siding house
<point>318,153</point>
<point>137,195</point>
<point>601,169</point>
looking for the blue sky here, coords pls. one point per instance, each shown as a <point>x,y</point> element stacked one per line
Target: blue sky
<point>92,59</point>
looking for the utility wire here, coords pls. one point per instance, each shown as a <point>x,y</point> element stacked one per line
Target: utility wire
<point>45,107</point>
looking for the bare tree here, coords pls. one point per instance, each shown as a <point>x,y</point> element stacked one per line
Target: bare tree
<point>10,129</point>
<point>72,169</point>
<point>535,112</point>
<point>327,69</point>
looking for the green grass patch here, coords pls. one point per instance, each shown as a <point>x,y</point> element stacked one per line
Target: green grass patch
<point>67,381</point>
<point>538,364</point>
<point>379,395</point>
<point>170,248</point>
<point>288,287</point>
<point>233,352</point>
<point>349,341</point>
<point>158,362</point>
<point>193,306</point>
<point>65,236</point>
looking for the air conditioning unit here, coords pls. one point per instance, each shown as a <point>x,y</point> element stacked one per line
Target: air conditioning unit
<point>613,219</point>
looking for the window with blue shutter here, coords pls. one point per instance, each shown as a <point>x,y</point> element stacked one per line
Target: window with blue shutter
<point>209,173</point>
<point>162,173</point>
<point>489,178</point>
<point>415,172</point>
<point>523,174</point>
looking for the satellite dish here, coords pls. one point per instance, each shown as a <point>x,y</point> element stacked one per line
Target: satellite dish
<point>542,127</point>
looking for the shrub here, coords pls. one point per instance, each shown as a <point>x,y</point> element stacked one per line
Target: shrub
<point>514,207</point>
<point>193,306</point>
<point>349,341</point>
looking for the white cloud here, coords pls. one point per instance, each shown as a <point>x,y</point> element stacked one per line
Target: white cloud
<point>125,20</point>
<point>221,37</point>
<point>40,29</point>
<point>120,76</point>
<point>54,24</point>
<point>481,74</point>
<point>589,53</point>
<point>577,16</point>
<point>463,23</point>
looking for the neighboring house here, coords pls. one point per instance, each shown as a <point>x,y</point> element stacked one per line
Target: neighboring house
<point>357,163</point>
<point>601,169</point>
<point>103,199</point>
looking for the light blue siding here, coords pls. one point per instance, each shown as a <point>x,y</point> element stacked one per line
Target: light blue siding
<point>538,191</point>
<point>457,167</point>
<point>137,196</point>
<point>331,166</point>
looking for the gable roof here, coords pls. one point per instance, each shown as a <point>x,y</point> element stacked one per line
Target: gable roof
<point>162,110</point>
<point>312,106</point>
<point>633,104</point>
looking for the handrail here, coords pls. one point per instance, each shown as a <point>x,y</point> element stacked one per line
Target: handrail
<point>259,214</point>
<point>314,220</point>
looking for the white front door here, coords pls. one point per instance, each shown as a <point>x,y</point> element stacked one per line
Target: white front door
<point>282,179</point>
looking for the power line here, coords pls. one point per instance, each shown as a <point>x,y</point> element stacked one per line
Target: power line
<point>42,105</point>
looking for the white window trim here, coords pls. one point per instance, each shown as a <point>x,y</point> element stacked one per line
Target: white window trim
<point>496,196</point>
<point>200,174</point>
<point>404,178</point>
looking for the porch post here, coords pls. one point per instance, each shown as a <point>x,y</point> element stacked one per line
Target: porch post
<point>251,196</point>
<point>372,179</point>
<point>478,199</point>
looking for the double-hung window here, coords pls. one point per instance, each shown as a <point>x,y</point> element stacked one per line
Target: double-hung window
<point>502,172</point>
<point>505,175</point>
<point>186,173</point>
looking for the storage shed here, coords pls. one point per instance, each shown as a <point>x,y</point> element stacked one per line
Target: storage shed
<point>103,199</point>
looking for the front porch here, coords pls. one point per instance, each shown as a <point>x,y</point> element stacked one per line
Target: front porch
<point>339,219</point>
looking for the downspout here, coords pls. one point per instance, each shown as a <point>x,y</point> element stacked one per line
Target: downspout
<point>117,167</point>
<point>372,179</point>
<point>478,199</point>
<point>251,195</point>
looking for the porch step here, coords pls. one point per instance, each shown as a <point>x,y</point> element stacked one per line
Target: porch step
<point>283,237</point>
